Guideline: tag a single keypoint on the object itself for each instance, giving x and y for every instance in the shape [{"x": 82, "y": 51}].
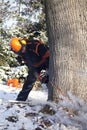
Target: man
[{"x": 35, "y": 55}]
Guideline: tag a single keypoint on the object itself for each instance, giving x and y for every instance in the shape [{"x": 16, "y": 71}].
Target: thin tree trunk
[{"x": 67, "y": 32}]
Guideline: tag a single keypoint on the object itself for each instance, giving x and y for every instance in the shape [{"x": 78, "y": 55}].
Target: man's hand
[{"x": 44, "y": 77}]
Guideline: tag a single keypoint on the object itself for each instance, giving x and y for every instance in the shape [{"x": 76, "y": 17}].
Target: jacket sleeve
[{"x": 43, "y": 51}]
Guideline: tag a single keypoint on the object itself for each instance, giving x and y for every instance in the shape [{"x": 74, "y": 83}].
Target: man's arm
[{"x": 44, "y": 52}]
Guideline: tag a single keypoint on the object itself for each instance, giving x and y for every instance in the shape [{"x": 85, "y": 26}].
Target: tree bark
[{"x": 67, "y": 34}]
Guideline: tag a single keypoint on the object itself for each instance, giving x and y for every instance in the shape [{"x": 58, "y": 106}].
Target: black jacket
[{"x": 36, "y": 55}]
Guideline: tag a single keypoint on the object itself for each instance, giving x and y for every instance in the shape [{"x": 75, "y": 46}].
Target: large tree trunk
[{"x": 67, "y": 33}]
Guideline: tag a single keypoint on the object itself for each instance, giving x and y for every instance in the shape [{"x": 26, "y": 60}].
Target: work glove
[{"x": 43, "y": 76}]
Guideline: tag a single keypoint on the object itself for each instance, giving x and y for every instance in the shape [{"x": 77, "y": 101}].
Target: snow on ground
[{"x": 69, "y": 114}]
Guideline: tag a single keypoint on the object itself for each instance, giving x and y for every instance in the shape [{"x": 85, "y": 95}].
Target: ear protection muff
[{"x": 23, "y": 42}]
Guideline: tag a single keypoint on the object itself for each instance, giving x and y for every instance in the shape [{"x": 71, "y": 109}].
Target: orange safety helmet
[{"x": 16, "y": 44}]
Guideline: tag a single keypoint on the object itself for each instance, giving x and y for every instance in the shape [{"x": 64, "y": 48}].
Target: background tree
[
  {"x": 67, "y": 32},
  {"x": 19, "y": 18},
  {"x": 3, "y": 34}
]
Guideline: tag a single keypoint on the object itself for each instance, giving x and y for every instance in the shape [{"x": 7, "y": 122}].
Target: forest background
[{"x": 18, "y": 18}]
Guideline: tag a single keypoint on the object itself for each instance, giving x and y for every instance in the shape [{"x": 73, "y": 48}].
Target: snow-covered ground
[{"x": 69, "y": 114}]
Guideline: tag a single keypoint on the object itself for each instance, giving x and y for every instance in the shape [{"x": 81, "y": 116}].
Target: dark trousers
[
  {"x": 29, "y": 82},
  {"x": 27, "y": 87}
]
